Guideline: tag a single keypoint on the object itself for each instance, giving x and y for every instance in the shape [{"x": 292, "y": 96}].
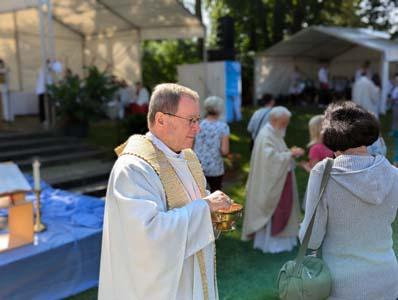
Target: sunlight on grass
[{"x": 234, "y": 138}]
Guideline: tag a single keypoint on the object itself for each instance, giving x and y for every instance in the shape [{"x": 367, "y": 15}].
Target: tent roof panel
[
  {"x": 92, "y": 17},
  {"x": 327, "y": 42}
]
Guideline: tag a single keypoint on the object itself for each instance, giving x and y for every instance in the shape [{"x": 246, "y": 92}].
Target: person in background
[
  {"x": 140, "y": 99},
  {"x": 365, "y": 68},
  {"x": 323, "y": 78},
  {"x": 212, "y": 142},
  {"x": 296, "y": 87},
  {"x": 317, "y": 149},
  {"x": 260, "y": 117},
  {"x": 50, "y": 70},
  {"x": 272, "y": 209},
  {"x": 366, "y": 94},
  {"x": 8, "y": 114},
  {"x": 353, "y": 221}
]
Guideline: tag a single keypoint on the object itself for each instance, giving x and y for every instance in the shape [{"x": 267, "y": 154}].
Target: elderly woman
[
  {"x": 354, "y": 217},
  {"x": 212, "y": 143}
]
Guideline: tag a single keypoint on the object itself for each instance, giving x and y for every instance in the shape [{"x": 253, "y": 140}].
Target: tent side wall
[
  {"x": 273, "y": 74},
  {"x": 120, "y": 53},
  {"x": 345, "y": 65},
  {"x": 21, "y": 29},
  {"x": 8, "y": 48},
  {"x": 205, "y": 78}
]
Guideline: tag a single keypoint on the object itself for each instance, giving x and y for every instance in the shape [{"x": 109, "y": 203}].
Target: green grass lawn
[{"x": 242, "y": 272}]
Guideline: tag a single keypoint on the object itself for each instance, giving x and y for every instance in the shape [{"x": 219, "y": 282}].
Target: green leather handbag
[{"x": 307, "y": 277}]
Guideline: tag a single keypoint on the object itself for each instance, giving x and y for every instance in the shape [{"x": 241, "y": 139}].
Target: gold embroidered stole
[{"x": 176, "y": 196}]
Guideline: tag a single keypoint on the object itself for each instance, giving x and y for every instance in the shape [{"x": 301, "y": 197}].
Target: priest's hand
[
  {"x": 218, "y": 201},
  {"x": 296, "y": 151}
]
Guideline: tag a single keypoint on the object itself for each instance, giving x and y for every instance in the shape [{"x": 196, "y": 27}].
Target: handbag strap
[
  {"x": 261, "y": 122},
  {"x": 307, "y": 235}
]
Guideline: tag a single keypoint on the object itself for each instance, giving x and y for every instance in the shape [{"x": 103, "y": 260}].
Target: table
[{"x": 64, "y": 260}]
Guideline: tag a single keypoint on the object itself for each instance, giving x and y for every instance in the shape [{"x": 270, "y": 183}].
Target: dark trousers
[
  {"x": 214, "y": 182},
  {"x": 42, "y": 108},
  {"x": 324, "y": 95}
]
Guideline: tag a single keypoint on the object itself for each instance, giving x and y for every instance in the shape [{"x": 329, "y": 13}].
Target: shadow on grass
[{"x": 244, "y": 273}]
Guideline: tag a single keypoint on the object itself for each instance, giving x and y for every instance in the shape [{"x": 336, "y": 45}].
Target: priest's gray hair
[
  {"x": 214, "y": 105},
  {"x": 166, "y": 97},
  {"x": 278, "y": 112}
]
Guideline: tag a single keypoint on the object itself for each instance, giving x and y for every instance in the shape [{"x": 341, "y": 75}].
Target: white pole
[
  {"x": 43, "y": 48},
  {"x": 51, "y": 38},
  {"x": 52, "y": 54},
  {"x": 18, "y": 52}
]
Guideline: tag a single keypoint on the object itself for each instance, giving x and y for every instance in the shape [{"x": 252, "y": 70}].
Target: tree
[
  {"x": 380, "y": 15},
  {"x": 160, "y": 59},
  {"x": 198, "y": 14}
]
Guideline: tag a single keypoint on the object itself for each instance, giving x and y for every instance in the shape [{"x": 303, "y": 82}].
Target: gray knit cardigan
[{"x": 354, "y": 222}]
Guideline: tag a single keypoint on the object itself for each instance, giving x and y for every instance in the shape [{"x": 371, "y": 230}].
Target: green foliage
[
  {"x": 81, "y": 100},
  {"x": 380, "y": 15},
  {"x": 160, "y": 59},
  {"x": 66, "y": 95},
  {"x": 134, "y": 124}
]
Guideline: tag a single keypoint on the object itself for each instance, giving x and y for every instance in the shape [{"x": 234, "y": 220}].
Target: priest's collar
[{"x": 163, "y": 147}]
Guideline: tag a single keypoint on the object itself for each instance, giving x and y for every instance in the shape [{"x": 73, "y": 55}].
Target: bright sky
[{"x": 190, "y": 4}]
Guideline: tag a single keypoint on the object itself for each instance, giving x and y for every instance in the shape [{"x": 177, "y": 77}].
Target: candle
[{"x": 36, "y": 174}]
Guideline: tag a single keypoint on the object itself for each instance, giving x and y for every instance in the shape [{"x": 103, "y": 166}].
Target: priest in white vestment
[
  {"x": 367, "y": 94},
  {"x": 158, "y": 239},
  {"x": 272, "y": 207}
]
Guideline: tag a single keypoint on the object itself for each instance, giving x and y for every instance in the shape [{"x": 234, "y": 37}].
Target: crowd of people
[
  {"x": 158, "y": 211},
  {"x": 166, "y": 185}
]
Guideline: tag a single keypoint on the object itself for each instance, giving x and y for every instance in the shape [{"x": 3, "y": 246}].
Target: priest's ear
[{"x": 160, "y": 119}]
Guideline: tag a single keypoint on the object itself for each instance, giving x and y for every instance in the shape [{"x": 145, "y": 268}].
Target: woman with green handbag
[{"x": 352, "y": 226}]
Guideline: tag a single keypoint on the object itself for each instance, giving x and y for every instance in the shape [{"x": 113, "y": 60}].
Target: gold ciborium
[{"x": 225, "y": 220}]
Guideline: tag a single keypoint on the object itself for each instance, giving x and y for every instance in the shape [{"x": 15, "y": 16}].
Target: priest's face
[
  {"x": 281, "y": 124},
  {"x": 182, "y": 127}
]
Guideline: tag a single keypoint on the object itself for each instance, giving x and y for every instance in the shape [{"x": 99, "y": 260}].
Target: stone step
[
  {"x": 97, "y": 189},
  {"x": 36, "y": 142},
  {"x": 59, "y": 159},
  {"x": 6, "y": 136},
  {"x": 41, "y": 151},
  {"x": 77, "y": 174}
]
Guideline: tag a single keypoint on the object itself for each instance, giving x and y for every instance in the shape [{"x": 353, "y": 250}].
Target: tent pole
[
  {"x": 18, "y": 51},
  {"x": 52, "y": 54},
  {"x": 384, "y": 83},
  {"x": 139, "y": 42},
  {"x": 43, "y": 49},
  {"x": 50, "y": 37}
]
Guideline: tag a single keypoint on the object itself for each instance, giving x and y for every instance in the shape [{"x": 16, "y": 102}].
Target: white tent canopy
[
  {"x": 106, "y": 33},
  {"x": 344, "y": 48}
]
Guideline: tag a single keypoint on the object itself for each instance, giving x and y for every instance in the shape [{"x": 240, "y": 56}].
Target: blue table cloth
[{"x": 64, "y": 259}]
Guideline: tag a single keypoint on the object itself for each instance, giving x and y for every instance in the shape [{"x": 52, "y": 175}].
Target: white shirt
[
  {"x": 366, "y": 94},
  {"x": 358, "y": 74},
  {"x": 143, "y": 96},
  {"x": 40, "y": 83},
  {"x": 323, "y": 75},
  {"x": 394, "y": 93}
]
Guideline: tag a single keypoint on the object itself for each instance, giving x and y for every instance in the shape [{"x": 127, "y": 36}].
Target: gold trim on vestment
[{"x": 176, "y": 196}]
